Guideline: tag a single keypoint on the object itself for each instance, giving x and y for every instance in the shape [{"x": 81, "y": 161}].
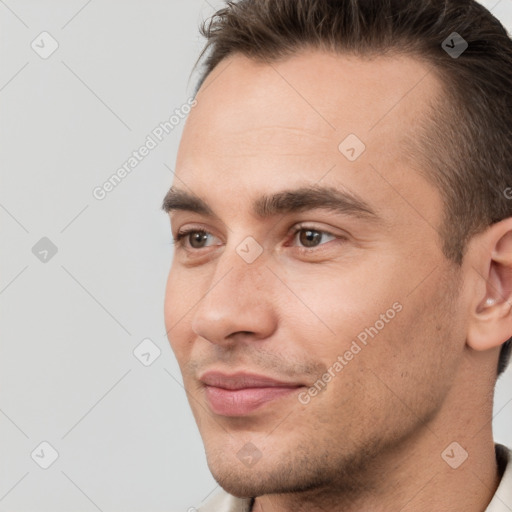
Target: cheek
[
  {"x": 176, "y": 306},
  {"x": 412, "y": 360},
  {"x": 170, "y": 303},
  {"x": 335, "y": 307}
]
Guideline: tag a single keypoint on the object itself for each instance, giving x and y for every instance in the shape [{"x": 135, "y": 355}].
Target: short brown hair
[{"x": 465, "y": 143}]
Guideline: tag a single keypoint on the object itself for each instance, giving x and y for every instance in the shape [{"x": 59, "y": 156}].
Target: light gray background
[{"x": 68, "y": 375}]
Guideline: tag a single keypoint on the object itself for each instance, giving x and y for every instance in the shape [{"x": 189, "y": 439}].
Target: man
[{"x": 339, "y": 299}]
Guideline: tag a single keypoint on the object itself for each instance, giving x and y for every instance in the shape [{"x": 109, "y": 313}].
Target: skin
[{"x": 373, "y": 438}]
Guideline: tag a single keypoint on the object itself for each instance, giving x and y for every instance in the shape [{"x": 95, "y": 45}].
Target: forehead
[
  {"x": 264, "y": 125},
  {"x": 317, "y": 93}
]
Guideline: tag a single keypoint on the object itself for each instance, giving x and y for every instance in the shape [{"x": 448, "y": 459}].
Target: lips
[{"x": 242, "y": 393}]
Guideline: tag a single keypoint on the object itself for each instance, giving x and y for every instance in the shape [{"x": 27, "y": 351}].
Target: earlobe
[
  {"x": 491, "y": 324},
  {"x": 491, "y": 316}
]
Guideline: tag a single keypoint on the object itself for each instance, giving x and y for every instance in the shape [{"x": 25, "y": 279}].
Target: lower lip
[{"x": 238, "y": 402}]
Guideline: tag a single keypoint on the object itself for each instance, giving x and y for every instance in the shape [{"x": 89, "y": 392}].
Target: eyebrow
[{"x": 283, "y": 202}]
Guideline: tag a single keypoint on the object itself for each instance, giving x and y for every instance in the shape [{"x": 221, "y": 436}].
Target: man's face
[{"x": 352, "y": 315}]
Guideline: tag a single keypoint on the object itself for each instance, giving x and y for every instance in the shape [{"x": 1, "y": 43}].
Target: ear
[{"x": 490, "y": 323}]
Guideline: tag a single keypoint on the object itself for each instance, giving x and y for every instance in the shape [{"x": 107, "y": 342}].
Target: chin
[
  {"x": 267, "y": 476},
  {"x": 242, "y": 481},
  {"x": 239, "y": 485}
]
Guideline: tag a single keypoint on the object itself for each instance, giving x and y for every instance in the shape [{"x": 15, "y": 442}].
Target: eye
[
  {"x": 196, "y": 238},
  {"x": 310, "y": 237}
]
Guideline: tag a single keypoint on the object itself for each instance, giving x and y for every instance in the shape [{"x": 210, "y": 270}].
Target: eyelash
[{"x": 180, "y": 238}]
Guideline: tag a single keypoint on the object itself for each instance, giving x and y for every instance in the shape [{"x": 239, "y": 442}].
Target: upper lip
[{"x": 242, "y": 380}]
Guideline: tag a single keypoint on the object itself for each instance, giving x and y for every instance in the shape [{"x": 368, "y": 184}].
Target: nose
[{"x": 237, "y": 302}]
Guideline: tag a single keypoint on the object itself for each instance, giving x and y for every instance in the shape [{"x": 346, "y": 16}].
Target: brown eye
[
  {"x": 195, "y": 239},
  {"x": 310, "y": 238}
]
